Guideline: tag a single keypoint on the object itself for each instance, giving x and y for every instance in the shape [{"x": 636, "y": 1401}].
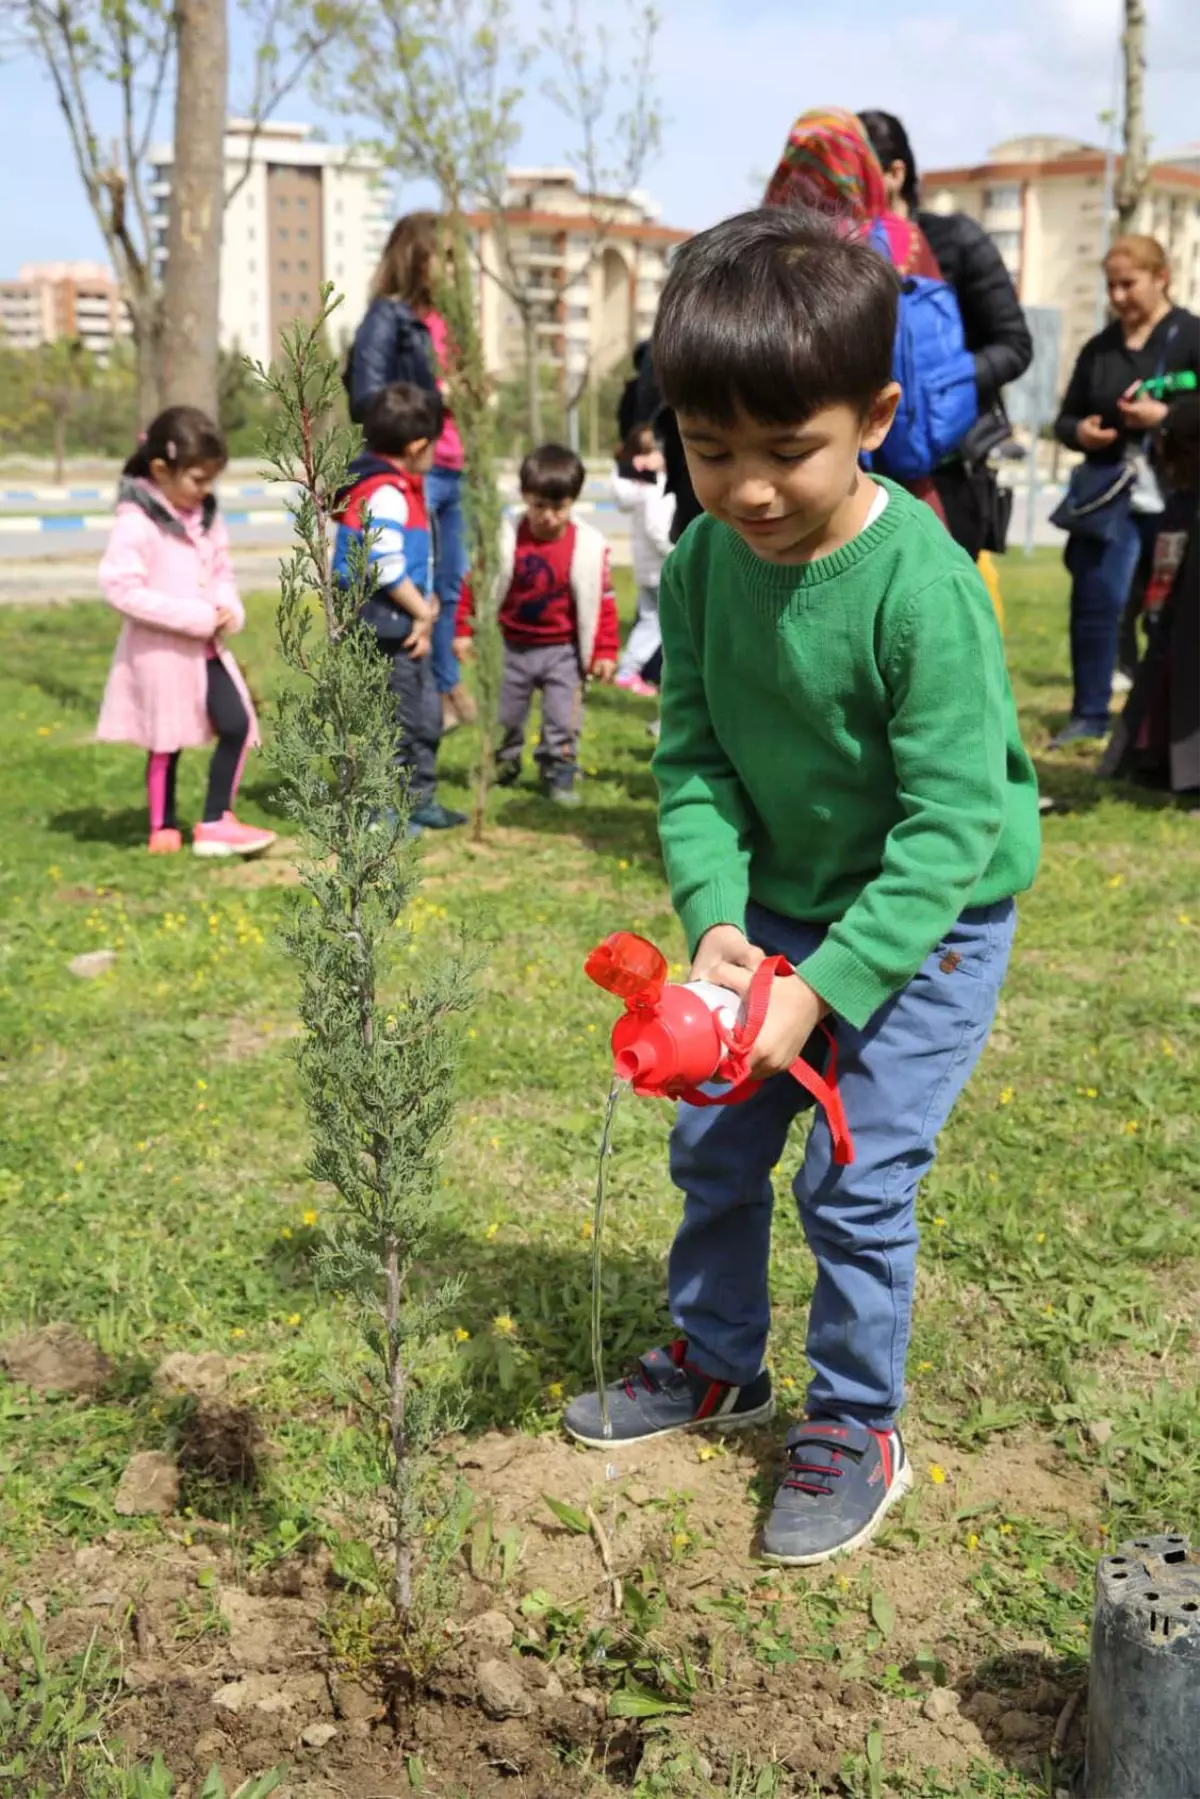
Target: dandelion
[
  {"x": 585, "y": 1229},
  {"x": 504, "y": 1325},
  {"x": 43, "y": 730},
  {"x": 309, "y": 1218},
  {"x": 1185, "y": 918},
  {"x": 939, "y": 1223},
  {"x": 1048, "y": 1309},
  {"x": 462, "y": 1336},
  {"x": 924, "y": 1367},
  {"x": 237, "y": 1333},
  {"x": 494, "y": 1142},
  {"x": 1115, "y": 880},
  {"x": 54, "y": 872},
  {"x": 789, "y": 1382},
  {"x": 706, "y": 1451},
  {"x": 1093, "y": 1093},
  {"x": 972, "y": 1541},
  {"x": 201, "y": 1086},
  {"x": 1041, "y": 1237},
  {"x": 1130, "y": 1128},
  {"x": 1168, "y": 1048},
  {"x": 140, "y": 1146},
  {"x": 286, "y": 1233},
  {"x": 471, "y": 1031},
  {"x": 680, "y": 1538},
  {"x": 1006, "y": 1530},
  {"x": 294, "y": 1318},
  {"x": 937, "y": 1474},
  {"x": 492, "y": 1231},
  {"x": 1006, "y": 1094},
  {"x": 591, "y": 1029},
  {"x": 622, "y": 865},
  {"x": 554, "y": 1390},
  {"x": 79, "y": 1167}
]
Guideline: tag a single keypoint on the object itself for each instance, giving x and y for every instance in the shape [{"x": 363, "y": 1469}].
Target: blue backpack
[{"x": 938, "y": 399}]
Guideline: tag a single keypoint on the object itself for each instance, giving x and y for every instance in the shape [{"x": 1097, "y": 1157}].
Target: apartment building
[
  {"x": 304, "y": 212},
  {"x": 80, "y": 301},
  {"x": 593, "y": 263},
  {"x": 1041, "y": 199}
]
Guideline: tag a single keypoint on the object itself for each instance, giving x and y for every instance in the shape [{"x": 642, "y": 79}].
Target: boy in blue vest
[
  {"x": 386, "y": 496},
  {"x": 842, "y": 784}
]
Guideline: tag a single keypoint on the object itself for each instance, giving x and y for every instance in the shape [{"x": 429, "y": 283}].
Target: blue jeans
[
  {"x": 1101, "y": 577},
  {"x": 899, "y": 1079},
  {"x": 443, "y": 496}
]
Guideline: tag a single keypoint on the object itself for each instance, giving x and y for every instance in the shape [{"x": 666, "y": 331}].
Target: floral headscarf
[{"x": 828, "y": 164}]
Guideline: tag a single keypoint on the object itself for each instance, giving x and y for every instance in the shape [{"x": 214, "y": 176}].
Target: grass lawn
[{"x": 153, "y": 1195}]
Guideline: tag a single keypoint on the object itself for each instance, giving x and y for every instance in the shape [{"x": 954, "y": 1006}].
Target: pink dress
[
  {"x": 449, "y": 451},
  {"x": 168, "y": 580}
]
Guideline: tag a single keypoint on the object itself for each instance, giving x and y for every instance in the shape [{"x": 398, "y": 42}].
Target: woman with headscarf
[{"x": 828, "y": 166}]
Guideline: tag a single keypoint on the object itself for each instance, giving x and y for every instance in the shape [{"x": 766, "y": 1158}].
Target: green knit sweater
[{"x": 839, "y": 743}]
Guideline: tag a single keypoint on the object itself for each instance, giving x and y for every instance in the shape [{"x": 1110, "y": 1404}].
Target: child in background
[
  {"x": 385, "y": 501},
  {"x": 842, "y": 783},
  {"x": 173, "y": 684},
  {"x": 642, "y": 493},
  {"x": 558, "y": 618}
]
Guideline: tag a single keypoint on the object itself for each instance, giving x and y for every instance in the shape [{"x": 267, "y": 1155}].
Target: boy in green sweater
[{"x": 842, "y": 783}]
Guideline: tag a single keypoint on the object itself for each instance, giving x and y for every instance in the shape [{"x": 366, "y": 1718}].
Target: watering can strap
[{"x": 824, "y": 1088}]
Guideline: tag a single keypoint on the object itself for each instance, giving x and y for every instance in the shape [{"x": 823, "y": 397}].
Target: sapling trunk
[{"x": 377, "y": 1058}]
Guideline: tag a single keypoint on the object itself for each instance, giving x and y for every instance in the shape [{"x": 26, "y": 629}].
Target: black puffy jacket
[
  {"x": 993, "y": 323},
  {"x": 391, "y": 344}
]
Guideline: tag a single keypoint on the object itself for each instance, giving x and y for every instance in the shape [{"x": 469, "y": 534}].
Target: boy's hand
[
  {"x": 464, "y": 648},
  {"x": 420, "y": 639},
  {"x": 793, "y": 1014},
  {"x": 726, "y": 957},
  {"x": 604, "y": 670},
  {"x": 434, "y": 605},
  {"x": 224, "y": 618},
  {"x": 1093, "y": 434}
]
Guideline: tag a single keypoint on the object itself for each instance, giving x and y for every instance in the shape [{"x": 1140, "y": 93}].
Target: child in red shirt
[{"x": 558, "y": 618}]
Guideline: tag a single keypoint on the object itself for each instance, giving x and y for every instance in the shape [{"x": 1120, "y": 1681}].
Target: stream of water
[{"x": 614, "y": 1097}]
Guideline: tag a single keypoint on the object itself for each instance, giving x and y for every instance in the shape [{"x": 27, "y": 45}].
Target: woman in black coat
[
  {"x": 993, "y": 324},
  {"x": 404, "y": 338},
  {"x": 1105, "y": 415}
]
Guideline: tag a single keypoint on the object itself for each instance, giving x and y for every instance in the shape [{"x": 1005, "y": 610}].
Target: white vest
[{"x": 587, "y": 581}]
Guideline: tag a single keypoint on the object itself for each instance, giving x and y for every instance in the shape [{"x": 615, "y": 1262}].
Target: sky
[{"x": 731, "y": 76}]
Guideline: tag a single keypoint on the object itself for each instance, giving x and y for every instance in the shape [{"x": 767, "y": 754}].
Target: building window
[
  {"x": 302, "y": 232},
  {"x": 302, "y": 203},
  {"x": 302, "y": 268},
  {"x": 1008, "y": 243},
  {"x": 283, "y": 267},
  {"x": 337, "y": 239},
  {"x": 1002, "y": 199},
  {"x": 285, "y": 299},
  {"x": 250, "y": 234},
  {"x": 250, "y": 266}
]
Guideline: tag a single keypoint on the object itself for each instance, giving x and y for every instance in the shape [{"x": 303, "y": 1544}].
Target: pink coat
[{"x": 168, "y": 575}]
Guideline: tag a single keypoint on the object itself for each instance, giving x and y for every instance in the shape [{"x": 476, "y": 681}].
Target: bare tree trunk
[
  {"x": 60, "y": 444},
  {"x": 147, "y": 342},
  {"x": 1132, "y": 180},
  {"x": 192, "y": 288},
  {"x": 533, "y": 376}
]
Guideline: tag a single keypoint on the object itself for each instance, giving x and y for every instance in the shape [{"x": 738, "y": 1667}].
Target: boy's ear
[
  {"x": 417, "y": 447},
  {"x": 880, "y": 414}
]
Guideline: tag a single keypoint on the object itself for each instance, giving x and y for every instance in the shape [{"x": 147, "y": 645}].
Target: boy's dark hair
[
  {"x": 889, "y": 140},
  {"x": 552, "y": 472},
  {"x": 400, "y": 415},
  {"x": 181, "y": 437},
  {"x": 775, "y": 313}
]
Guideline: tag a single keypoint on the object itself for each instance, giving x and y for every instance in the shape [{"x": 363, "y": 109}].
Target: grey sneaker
[
  {"x": 665, "y": 1392},
  {"x": 562, "y": 793},
  {"x": 841, "y": 1479}
]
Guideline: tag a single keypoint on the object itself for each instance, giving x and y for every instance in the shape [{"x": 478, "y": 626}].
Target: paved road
[{"x": 51, "y": 567}]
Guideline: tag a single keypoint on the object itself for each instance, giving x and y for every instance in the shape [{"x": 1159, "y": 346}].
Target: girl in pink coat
[{"x": 172, "y": 683}]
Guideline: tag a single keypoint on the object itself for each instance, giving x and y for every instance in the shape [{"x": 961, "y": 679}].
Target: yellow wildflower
[
  {"x": 1041, "y": 1237},
  {"x": 294, "y": 1318},
  {"x": 310, "y": 1217},
  {"x": 585, "y": 1229},
  {"x": 1048, "y": 1309},
  {"x": 924, "y": 1367},
  {"x": 789, "y": 1382},
  {"x": 1130, "y": 1128},
  {"x": 622, "y": 865},
  {"x": 706, "y": 1451},
  {"x": 201, "y": 1086},
  {"x": 43, "y": 730},
  {"x": 471, "y": 1031},
  {"x": 1093, "y": 1093},
  {"x": 1168, "y": 1048},
  {"x": 1115, "y": 880},
  {"x": 492, "y": 1231},
  {"x": 494, "y": 1142},
  {"x": 1184, "y": 917},
  {"x": 972, "y": 1541},
  {"x": 554, "y": 1390},
  {"x": 461, "y": 1336},
  {"x": 79, "y": 1167},
  {"x": 237, "y": 1332},
  {"x": 1006, "y": 1094},
  {"x": 141, "y": 1146},
  {"x": 286, "y": 1232},
  {"x": 937, "y": 1474},
  {"x": 504, "y": 1325}
]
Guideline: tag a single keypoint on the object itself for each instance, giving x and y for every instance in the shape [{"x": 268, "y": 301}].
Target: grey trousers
[
  {"x": 552, "y": 669},
  {"x": 419, "y": 715}
]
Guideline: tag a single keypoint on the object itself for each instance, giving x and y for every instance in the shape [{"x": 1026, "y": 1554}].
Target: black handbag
[{"x": 1096, "y": 503}]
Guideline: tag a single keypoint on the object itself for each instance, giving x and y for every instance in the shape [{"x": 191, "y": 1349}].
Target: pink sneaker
[
  {"x": 227, "y": 837},
  {"x": 165, "y": 842},
  {"x": 634, "y": 684}
]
